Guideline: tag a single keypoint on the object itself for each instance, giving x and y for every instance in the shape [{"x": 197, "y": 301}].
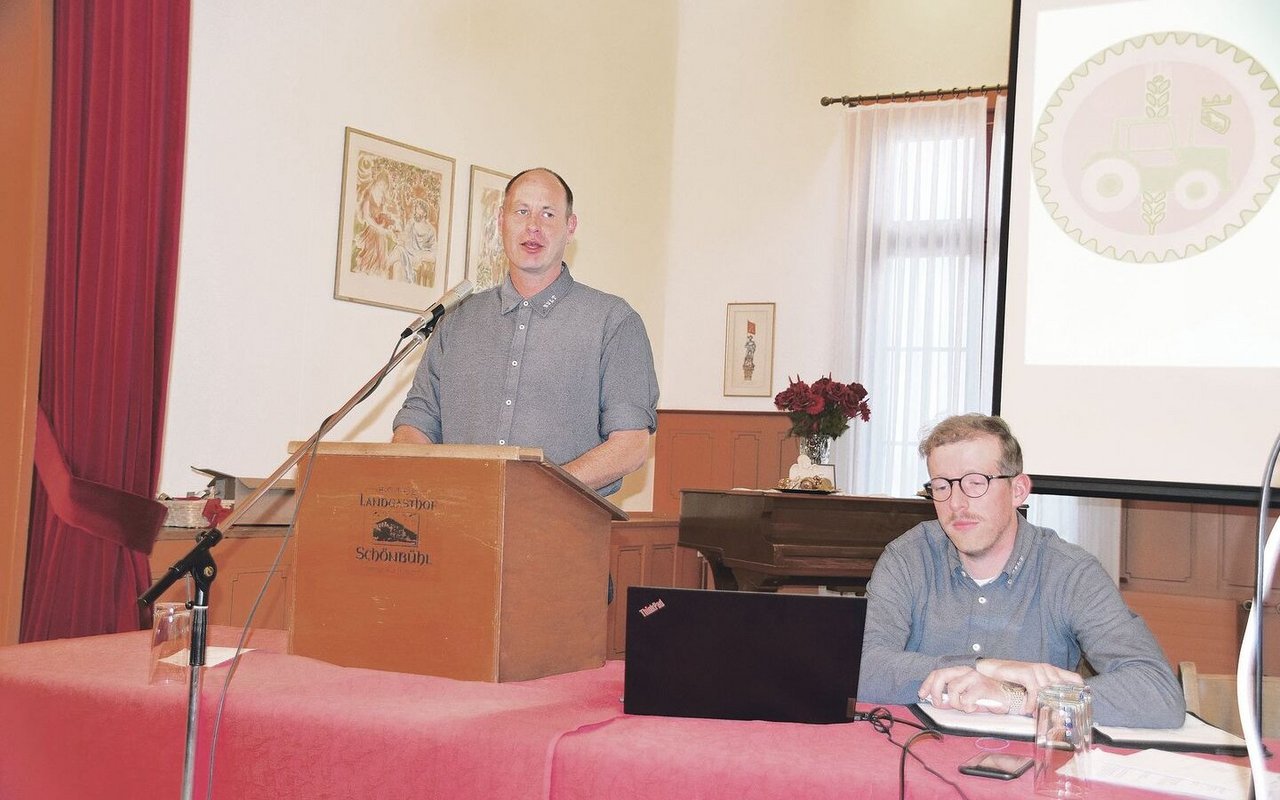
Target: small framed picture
[
  {"x": 748, "y": 350},
  {"x": 486, "y": 260},
  {"x": 393, "y": 223}
]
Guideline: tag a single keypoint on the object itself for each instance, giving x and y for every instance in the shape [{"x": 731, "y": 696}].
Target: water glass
[
  {"x": 170, "y": 643},
  {"x": 1064, "y": 738}
]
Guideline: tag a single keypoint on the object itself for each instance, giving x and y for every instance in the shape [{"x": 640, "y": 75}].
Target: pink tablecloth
[
  {"x": 78, "y": 719},
  {"x": 629, "y": 758}
]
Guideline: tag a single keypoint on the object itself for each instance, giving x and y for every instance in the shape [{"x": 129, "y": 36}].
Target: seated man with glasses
[{"x": 980, "y": 609}]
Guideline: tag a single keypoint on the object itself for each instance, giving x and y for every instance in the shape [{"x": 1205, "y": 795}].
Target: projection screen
[{"x": 1138, "y": 352}]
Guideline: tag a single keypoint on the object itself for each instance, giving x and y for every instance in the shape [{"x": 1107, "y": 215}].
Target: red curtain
[{"x": 115, "y": 191}]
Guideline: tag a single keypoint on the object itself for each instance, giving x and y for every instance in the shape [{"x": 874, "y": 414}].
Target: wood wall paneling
[
  {"x": 245, "y": 588},
  {"x": 744, "y": 468},
  {"x": 682, "y": 458},
  {"x": 718, "y": 450},
  {"x": 644, "y": 552},
  {"x": 1158, "y": 543},
  {"x": 1188, "y": 569},
  {"x": 1238, "y": 553},
  {"x": 26, "y": 80},
  {"x": 1199, "y": 629},
  {"x": 627, "y": 566},
  {"x": 244, "y": 560}
]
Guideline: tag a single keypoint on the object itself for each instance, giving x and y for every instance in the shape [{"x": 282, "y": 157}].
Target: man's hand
[
  {"x": 965, "y": 689},
  {"x": 1031, "y": 675}
]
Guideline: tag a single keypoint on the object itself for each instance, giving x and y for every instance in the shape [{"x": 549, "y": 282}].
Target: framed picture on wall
[
  {"x": 393, "y": 223},
  {"x": 486, "y": 260},
  {"x": 748, "y": 350}
]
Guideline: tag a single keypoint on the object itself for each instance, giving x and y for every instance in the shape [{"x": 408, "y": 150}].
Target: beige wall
[
  {"x": 757, "y": 195},
  {"x": 911, "y": 45},
  {"x": 26, "y": 45},
  {"x": 262, "y": 350},
  {"x": 706, "y": 172}
]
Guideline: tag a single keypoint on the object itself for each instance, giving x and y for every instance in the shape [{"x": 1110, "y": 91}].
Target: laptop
[{"x": 742, "y": 655}]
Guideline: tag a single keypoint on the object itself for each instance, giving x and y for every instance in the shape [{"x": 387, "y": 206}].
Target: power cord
[
  {"x": 266, "y": 584},
  {"x": 253, "y": 610},
  {"x": 882, "y": 721}
]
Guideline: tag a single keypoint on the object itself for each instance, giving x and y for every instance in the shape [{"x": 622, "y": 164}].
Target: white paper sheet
[
  {"x": 213, "y": 656},
  {"x": 1176, "y": 773}
]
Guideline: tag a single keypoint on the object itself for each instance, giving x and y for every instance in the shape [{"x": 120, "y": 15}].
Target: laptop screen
[{"x": 742, "y": 655}]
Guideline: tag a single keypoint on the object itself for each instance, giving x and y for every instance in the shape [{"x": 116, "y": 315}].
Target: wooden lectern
[{"x": 472, "y": 562}]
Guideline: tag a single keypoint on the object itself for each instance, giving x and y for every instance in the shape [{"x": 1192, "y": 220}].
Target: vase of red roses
[{"x": 821, "y": 411}]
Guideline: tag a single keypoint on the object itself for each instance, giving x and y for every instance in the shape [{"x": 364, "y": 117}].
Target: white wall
[
  {"x": 757, "y": 194},
  {"x": 910, "y": 45},
  {"x": 755, "y": 200},
  {"x": 262, "y": 350},
  {"x": 704, "y": 168}
]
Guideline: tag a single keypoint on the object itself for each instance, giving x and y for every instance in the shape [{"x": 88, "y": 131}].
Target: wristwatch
[{"x": 1015, "y": 697}]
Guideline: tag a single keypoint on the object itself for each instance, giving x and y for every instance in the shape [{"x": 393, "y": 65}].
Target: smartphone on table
[{"x": 1003, "y": 766}]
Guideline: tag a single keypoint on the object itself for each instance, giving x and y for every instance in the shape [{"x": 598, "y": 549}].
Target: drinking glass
[
  {"x": 170, "y": 636},
  {"x": 1064, "y": 738}
]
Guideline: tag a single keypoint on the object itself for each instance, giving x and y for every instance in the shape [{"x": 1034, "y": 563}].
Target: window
[
  {"x": 920, "y": 284},
  {"x": 915, "y": 280}
]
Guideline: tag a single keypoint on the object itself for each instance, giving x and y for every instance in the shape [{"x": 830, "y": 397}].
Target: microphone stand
[{"x": 198, "y": 562}]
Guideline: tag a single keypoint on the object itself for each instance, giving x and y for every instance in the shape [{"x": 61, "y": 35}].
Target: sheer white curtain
[
  {"x": 913, "y": 287},
  {"x": 920, "y": 291}
]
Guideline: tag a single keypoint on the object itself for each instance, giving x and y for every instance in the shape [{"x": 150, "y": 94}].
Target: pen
[{"x": 982, "y": 702}]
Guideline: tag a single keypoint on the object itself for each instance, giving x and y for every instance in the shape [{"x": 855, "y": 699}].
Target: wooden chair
[{"x": 1213, "y": 699}]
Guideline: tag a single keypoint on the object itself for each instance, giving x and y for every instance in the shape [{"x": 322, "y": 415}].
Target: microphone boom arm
[
  {"x": 200, "y": 565},
  {"x": 211, "y": 536}
]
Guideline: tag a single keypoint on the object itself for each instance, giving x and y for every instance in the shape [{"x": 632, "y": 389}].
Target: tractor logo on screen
[{"x": 1159, "y": 147}]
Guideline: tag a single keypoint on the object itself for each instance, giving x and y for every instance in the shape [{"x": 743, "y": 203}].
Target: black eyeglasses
[{"x": 974, "y": 485}]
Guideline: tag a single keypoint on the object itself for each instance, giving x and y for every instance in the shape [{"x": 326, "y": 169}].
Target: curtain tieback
[{"x": 115, "y": 515}]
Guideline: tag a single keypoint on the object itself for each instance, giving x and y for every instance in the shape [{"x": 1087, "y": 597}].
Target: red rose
[{"x": 823, "y": 408}]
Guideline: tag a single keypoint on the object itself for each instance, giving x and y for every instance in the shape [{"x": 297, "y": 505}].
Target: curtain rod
[{"x": 902, "y": 97}]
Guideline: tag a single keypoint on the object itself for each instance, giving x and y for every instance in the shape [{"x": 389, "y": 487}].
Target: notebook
[{"x": 742, "y": 655}]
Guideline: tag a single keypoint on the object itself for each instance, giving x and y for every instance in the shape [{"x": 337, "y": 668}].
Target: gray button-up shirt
[
  {"x": 1052, "y": 601},
  {"x": 560, "y": 370}
]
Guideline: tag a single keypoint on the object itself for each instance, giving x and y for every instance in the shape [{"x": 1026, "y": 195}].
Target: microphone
[{"x": 446, "y": 304}]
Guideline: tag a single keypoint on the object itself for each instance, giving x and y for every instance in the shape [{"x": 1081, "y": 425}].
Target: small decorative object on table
[
  {"x": 819, "y": 413},
  {"x": 194, "y": 511},
  {"x": 183, "y": 512}
]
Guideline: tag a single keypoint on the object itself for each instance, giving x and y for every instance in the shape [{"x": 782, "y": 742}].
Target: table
[{"x": 78, "y": 719}]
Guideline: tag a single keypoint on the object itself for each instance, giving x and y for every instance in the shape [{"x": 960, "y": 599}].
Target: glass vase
[{"x": 816, "y": 447}]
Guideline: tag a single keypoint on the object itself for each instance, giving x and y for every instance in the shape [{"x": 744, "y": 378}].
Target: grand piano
[{"x": 759, "y": 540}]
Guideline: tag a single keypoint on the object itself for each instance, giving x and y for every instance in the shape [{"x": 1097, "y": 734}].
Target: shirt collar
[
  {"x": 543, "y": 301},
  {"x": 1012, "y": 567}
]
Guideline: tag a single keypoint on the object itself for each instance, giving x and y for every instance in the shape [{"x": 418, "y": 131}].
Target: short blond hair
[{"x": 967, "y": 427}]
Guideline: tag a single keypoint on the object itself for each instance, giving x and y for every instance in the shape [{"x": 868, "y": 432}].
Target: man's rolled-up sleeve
[
  {"x": 628, "y": 382},
  {"x": 421, "y": 408}
]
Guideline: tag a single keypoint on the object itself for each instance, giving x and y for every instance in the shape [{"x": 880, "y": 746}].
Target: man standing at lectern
[
  {"x": 540, "y": 360},
  {"x": 980, "y": 609}
]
